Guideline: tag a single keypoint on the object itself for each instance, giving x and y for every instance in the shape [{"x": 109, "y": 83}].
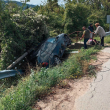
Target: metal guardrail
[
  {"x": 107, "y": 33},
  {"x": 10, "y": 73}
]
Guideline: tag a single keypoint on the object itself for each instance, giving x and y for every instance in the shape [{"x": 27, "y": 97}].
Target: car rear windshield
[
  {"x": 48, "y": 47},
  {"x": 51, "y": 40}
]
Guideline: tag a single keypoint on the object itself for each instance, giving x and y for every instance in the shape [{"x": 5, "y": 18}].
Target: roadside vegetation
[
  {"x": 23, "y": 29},
  {"x": 36, "y": 84}
]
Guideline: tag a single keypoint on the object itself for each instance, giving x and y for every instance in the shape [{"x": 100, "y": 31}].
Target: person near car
[
  {"x": 91, "y": 28},
  {"x": 86, "y": 36},
  {"x": 101, "y": 32}
]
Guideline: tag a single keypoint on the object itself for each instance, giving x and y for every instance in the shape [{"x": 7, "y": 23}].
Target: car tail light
[{"x": 44, "y": 64}]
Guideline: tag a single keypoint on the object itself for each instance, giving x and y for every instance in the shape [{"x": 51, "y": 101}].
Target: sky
[{"x": 38, "y": 2}]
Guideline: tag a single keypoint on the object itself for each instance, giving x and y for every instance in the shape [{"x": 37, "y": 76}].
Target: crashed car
[{"x": 51, "y": 51}]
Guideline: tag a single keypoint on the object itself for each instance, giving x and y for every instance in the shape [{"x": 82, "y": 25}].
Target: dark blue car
[{"x": 52, "y": 50}]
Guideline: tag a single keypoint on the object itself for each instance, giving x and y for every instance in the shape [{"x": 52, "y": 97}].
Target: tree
[
  {"x": 106, "y": 6},
  {"x": 75, "y": 17}
]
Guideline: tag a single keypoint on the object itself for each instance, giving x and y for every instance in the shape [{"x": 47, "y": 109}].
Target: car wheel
[{"x": 57, "y": 60}]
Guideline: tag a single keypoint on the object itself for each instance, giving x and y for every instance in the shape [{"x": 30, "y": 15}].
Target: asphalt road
[{"x": 98, "y": 95}]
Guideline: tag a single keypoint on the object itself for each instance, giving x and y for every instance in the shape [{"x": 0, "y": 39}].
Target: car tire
[{"x": 57, "y": 60}]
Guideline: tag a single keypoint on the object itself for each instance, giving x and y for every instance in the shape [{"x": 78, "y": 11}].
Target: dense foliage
[
  {"x": 74, "y": 14},
  {"x": 18, "y": 32},
  {"x": 75, "y": 17}
]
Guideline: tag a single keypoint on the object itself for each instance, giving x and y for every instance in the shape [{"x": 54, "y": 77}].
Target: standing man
[
  {"x": 91, "y": 30},
  {"x": 86, "y": 36},
  {"x": 101, "y": 32}
]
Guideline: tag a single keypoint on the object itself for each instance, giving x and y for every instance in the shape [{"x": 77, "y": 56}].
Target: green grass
[
  {"x": 34, "y": 85},
  {"x": 106, "y": 39}
]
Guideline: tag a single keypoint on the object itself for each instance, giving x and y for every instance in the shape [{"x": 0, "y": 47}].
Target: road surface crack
[{"x": 94, "y": 90}]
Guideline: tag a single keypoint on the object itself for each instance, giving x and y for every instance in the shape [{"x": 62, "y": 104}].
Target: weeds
[
  {"x": 63, "y": 84},
  {"x": 33, "y": 86}
]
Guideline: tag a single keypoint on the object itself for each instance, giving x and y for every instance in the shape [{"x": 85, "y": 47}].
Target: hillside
[{"x": 20, "y": 4}]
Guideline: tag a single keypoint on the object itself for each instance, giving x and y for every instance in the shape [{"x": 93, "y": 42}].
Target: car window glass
[
  {"x": 48, "y": 46},
  {"x": 51, "y": 40},
  {"x": 44, "y": 55}
]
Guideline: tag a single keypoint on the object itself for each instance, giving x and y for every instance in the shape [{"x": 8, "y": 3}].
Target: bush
[{"x": 20, "y": 32}]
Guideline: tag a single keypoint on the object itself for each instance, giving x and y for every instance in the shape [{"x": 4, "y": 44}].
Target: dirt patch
[{"x": 64, "y": 98}]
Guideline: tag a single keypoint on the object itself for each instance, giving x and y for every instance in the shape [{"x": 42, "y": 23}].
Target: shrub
[{"x": 20, "y": 32}]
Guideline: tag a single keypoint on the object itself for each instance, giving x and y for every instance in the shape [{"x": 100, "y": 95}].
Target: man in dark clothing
[
  {"x": 86, "y": 35},
  {"x": 91, "y": 30}
]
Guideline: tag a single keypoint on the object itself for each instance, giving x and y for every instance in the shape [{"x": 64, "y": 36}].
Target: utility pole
[{"x": 108, "y": 21}]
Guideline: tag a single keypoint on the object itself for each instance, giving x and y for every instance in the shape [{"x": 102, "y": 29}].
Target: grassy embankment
[{"x": 22, "y": 96}]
